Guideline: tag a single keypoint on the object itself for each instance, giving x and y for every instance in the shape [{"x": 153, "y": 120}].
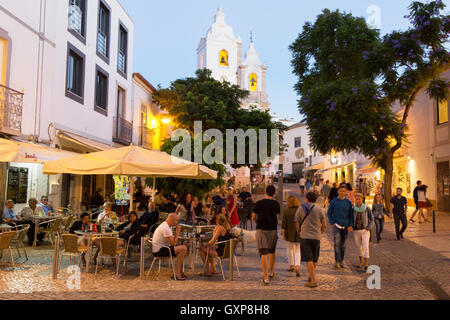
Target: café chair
[
  {"x": 17, "y": 241},
  {"x": 53, "y": 230},
  {"x": 226, "y": 255},
  {"x": 108, "y": 249},
  {"x": 159, "y": 259},
  {"x": 72, "y": 249},
  {"x": 5, "y": 244}
]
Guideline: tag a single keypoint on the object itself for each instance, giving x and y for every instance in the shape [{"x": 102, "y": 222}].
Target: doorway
[{"x": 443, "y": 186}]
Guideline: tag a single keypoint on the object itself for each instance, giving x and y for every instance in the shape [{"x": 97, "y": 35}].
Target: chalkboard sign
[{"x": 17, "y": 184}]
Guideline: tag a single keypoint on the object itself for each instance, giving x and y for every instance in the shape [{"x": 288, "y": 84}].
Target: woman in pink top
[{"x": 350, "y": 193}]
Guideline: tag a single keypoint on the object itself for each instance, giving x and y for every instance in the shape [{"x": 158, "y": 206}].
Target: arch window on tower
[
  {"x": 253, "y": 82},
  {"x": 223, "y": 58}
]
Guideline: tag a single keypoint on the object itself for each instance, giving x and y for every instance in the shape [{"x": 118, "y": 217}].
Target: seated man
[
  {"x": 149, "y": 219},
  {"x": 84, "y": 224},
  {"x": 46, "y": 207},
  {"x": 164, "y": 236},
  {"x": 26, "y": 213},
  {"x": 11, "y": 218}
]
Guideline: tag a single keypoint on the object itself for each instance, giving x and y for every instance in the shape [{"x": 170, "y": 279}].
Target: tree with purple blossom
[{"x": 370, "y": 73}]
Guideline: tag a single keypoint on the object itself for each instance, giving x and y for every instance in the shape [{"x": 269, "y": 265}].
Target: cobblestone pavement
[{"x": 415, "y": 268}]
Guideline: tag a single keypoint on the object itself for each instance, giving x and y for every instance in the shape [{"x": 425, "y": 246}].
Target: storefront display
[{"x": 17, "y": 185}]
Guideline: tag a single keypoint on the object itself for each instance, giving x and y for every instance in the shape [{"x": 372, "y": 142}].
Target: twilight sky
[{"x": 167, "y": 34}]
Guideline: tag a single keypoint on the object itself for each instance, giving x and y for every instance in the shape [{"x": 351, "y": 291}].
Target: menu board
[
  {"x": 446, "y": 186},
  {"x": 122, "y": 190},
  {"x": 17, "y": 184}
]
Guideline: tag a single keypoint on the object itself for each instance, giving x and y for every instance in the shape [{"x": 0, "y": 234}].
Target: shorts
[
  {"x": 266, "y": 241},
  {"x": 164, "y": 252},
  {"x": 422, "y": 204},
  {"x": 302, "y": 187},
  {"x": 309, "y": 250}
]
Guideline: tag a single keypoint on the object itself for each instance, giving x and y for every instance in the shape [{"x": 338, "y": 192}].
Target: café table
[
  {"x": 37, "y": 219},
  {"x": 195, "y": 236},
  {"x": 91, "y": 236}
]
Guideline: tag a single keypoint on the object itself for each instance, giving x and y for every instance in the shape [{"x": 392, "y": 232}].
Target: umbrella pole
[
  {"x": 153, "y": 190},
  {"x": 131, "y": 194}
]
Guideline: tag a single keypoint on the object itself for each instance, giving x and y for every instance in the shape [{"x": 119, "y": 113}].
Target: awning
[
  {"x": 14, "y": 151},
  {"x": 337, "y": 167},
  {"x": 367, "y": 170},
  {"x": 80, "y": 144},
  {"x": 318, "y": 166}
]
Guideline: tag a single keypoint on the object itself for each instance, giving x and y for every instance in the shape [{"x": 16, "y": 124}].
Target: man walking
[
  {"x": 340, "y": 216},
  {"x": 326, "y": 188},
  {"x": 311, "y": 224},
  {"x": 399, "y": 207},
  {"x": 265, "y": 216},
  {"x": 416, "y": 201},
  {"x": 302, "y": 186}
]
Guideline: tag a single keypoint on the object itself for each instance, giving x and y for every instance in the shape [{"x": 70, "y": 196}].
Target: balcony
[
  {"x": 146, "y": 137},
  {"x": 11, "y": 102},
  {"x": 123, "y": 131}
]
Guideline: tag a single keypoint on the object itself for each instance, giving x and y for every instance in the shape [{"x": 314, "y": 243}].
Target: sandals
[
  {"x": 265, "y": 282},
  {"x": 203, "y": 274},
  {"x": 273, "y": 275}
]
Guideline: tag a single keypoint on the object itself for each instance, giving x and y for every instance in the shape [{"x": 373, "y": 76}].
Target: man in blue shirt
[
  {"x": 340, "y": 216},
  {"x": 399, "y": 207},
  {"x": 11, "y": 218}
]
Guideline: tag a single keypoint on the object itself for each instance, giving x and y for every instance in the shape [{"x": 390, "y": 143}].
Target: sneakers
[{"x": 311, "y": 284}]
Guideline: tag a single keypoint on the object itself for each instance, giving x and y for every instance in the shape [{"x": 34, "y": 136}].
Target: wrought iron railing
[
  {"x": 122, "y": 62},
  {"x": 11, "y": 102},
  {"x": 146, "y": 137},
  {"x": 123, "y": 131}
]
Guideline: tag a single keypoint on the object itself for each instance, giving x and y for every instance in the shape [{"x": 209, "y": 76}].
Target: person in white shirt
[
  {"x": 302, "y": 186},
  {"x": 163, "y": 238},
  {"x": 32, "y": 209},
  {"x": 107, "y": 214}
]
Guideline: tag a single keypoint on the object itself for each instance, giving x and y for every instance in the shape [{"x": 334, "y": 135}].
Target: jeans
[
  {"x": 379, "y": 225},
  {"x": 404, "y": 221},
  {"x": 340, "y": 237}
]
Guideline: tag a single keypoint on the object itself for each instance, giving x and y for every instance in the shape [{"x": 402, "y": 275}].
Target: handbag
[{"x": 429, "y": 203}]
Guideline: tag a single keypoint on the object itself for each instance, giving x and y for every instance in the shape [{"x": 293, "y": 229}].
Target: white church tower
[{"x": 221, "y": 52}]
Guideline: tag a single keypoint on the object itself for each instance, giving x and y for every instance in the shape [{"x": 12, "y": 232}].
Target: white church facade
[{"x": 221, "y": 52}]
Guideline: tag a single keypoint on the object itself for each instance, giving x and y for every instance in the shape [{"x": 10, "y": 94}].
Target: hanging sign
[{"x": 122, "y": 190}]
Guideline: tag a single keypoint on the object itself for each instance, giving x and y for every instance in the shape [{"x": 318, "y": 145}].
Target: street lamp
[{"x": 165, "y": 120}]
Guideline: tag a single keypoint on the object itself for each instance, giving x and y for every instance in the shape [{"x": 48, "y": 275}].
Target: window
[
  {"x": 75, "y": 74},
  {"x": 442, "y": 114},
  {"x": 298, "y": 142},
  {"x": 103, "y": 31},
  {"x": 101, "y": 90},
  {"x": 77, "y": 19},
  {"x": 223, "y": 58},
  {"x": 123, "y": 51},
  {"x": 253, "y": 82}
]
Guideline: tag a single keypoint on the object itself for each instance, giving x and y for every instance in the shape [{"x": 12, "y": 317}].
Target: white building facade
[{"x": 72, "y": 62}]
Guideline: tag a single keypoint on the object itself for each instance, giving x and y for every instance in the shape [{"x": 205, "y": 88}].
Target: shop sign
[{"x": 122, "y": 190}]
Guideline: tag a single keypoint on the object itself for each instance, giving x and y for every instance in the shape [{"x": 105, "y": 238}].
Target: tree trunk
[{"x": 388, "y": 179}]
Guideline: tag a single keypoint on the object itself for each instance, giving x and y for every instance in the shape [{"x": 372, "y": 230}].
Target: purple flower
[
  {"x": 444, "y": 63},
  {"x": 404, "y": 86},
  {"x": 439, "y": 49},
  {"x": 397, "y": 46},
  {"x": 404, "y": 125},
  {"x": 404, "y": 38},
  {"x": 350, "y": 129},
  {"x": 355, "y": 90},
  {"x": 427, "y": 23},
  {"x": 314, "y": 130},
  {"x": 413, "y": 56},
  {"x": 364, "y": 124},
  {"x": 365, "y": 57},
  {"x": 332, "y": 109},
  {"x": 394, "y": 41},
  {"x": 315, "y": 119},
  {"x": 418, "y": 42},
  {"x": 401, "y": 131},
  {"x": 383, "y": 116},
  {"x": 419, "y": 28},
  {"x": 442, "y": 28},
  {"x": 436, "y": 86},
  {"x": 330, "y": 61},
  {"x": 336, "y": 137},
  {"x": 357, "y": 27},
  {"x": 328, "y": 101},
  {"x": 375, "y": 97},
  {"x": 406, "y": 17}
]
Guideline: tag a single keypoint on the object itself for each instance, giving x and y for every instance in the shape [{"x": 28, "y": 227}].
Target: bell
[{"x": 223, "y": 60}]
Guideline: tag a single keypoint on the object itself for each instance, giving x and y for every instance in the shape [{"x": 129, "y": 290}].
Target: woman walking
[
  {"x": 232, "y": 208},
  {"x": 423, "y": 204},
  {"x": 379, "y": 211},
  {"x": 362, "y": 222},
  {"x": 290, "y": 234}
]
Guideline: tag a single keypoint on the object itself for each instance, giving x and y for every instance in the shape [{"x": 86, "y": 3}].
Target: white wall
[{"x": 55, "y": 107}]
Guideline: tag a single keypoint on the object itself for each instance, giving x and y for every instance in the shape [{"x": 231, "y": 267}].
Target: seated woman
[
  {"x": 129, "y": 228},
  {"x": 107, "y": 214},
  {"x": 222, "y": 232}
]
